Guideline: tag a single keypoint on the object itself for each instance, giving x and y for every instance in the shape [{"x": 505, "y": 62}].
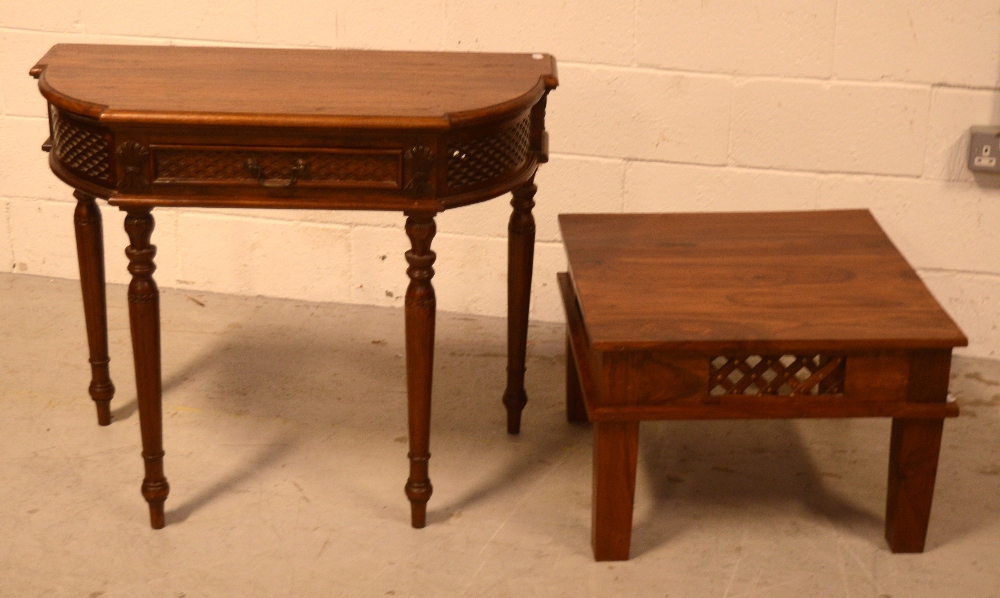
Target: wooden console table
[
  {"x": 420, "y": 133},
  {"x": 752, "y": 315}
]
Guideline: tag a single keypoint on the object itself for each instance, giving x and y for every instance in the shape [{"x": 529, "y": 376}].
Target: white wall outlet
[{"x": 984, "y": 149}]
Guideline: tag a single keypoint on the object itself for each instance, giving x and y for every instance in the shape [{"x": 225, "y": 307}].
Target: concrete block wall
[{"x": 663, "y": 106}]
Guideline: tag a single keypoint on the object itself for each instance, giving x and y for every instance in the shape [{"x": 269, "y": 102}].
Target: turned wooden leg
[
  {"x": 615, "y": 451},
  {"x": 144, "y": 317},
  {"x": 521, "y": 251},
  {"x": 576, "y": 411},
  {"x": 913, "y": 459},
  {"x": 420, "y": 306},
  {"x": 90, "y": 254}
]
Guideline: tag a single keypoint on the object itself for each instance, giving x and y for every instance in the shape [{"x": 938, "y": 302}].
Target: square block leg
[
  {"x": 615, "y": 451},
  {"x": 576, "y": 411},
  {"x": 913, "y": 459}
]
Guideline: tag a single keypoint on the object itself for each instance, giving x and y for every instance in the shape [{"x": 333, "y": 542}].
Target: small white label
[{"x": 537, "y": 56}]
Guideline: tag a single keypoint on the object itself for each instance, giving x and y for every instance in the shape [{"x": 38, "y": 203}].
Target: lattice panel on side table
[
  {"x": 82, "y": 150},
  {"x": 776, "y": 375},
  {"x": 487, "y": 158}
]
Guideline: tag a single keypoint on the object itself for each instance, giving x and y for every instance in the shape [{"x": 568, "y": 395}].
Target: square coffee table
[{"x": 751, "y": 315}]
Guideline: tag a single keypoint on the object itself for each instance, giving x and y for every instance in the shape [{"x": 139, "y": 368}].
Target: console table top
[{"x": 289, "y": 87}]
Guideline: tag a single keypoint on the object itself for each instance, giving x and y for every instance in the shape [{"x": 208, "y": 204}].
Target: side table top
[
  {"x": 749, "y": 282},
  {"x": 287, "y": 87}
]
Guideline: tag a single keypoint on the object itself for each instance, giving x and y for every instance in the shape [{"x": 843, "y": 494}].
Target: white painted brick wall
[
  {"x": 948, "y": 130},
  {"x": 778, "y": 37},
  {"x": 716, "y": 189},
  {"x": 640, "y": 113},
  {"x": 253, "y": 256},
  {"x": 6, "y": 248},
  {"x": 829, "y": 126},
  {"x": 930, "y": 41},
  {"x": 24, "y": 172},
  {"x": 682, "y": 105},
  {"x": 43, "y": 237},
  {"x": 587, "y": 31},
  {"x": 380, "y": 24}
]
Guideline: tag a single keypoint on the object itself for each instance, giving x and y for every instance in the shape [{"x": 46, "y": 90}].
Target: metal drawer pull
[{"x": 300, "y": 169}]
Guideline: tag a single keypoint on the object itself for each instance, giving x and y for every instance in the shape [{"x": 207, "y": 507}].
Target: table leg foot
[
  {"x": 913, "y": 459},
  {"x": 420, "y": 310},
  {"x": 418, "y": 496},
  {"x": 156, "y": 517},
  {"x": 576, "y": 411},
  {"x": 514, "y": 400},
  {"x": 90, "y": 254},
  {"x": 616, "y": 447},
  {"x": 144, "y": 318},
  {"x": 155, "y": 495},
  {"x": 521, "y": 251}
]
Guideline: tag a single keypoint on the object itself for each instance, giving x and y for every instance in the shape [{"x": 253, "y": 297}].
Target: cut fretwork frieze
[
  {"x": 482, "y": 160},
  {"x": 776, "y": 375},
  {"x": 80, "y": 149}
]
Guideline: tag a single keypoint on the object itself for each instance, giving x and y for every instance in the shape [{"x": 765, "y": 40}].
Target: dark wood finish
[
  {"x": 521, "y": 251},
  {"x": 913, "y": 454},
  {"x": 616, "y": 449},
  {"x": 409, "y": 131},
  {"x": 144, "y": 320},
  {"x": 417, "y": 132},
  {"x": 90, "y": 254},
  {"x": 766, "y": 315},
  {"x": 746, "y": 284},
  {"x": 913, "y": 459},
  {"x": 582, "y": 358},
  {"x": 285, "y": 87},
  {"x": 420, "y": 308},
  {"x": 576, "y": 409}
]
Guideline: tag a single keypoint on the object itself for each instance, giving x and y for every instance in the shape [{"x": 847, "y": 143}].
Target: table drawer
[{"x": 273, "y": 167}]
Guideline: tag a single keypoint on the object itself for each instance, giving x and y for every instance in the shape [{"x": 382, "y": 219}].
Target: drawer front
[{"x": 277, "y": 167}]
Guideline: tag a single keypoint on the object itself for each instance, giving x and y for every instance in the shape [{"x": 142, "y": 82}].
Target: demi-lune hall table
[{"x": 416, "y": 132}]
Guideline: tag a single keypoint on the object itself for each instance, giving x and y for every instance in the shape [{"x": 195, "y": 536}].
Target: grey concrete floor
[{"x": 285, "y": 432}]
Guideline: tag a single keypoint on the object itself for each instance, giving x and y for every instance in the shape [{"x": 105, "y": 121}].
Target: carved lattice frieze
[
  {"x": 80, "y": 149},
  {"x": 485, "y": 159},
  {"x": 776, "y": 375},
  {"x": 183, "y": 164}
]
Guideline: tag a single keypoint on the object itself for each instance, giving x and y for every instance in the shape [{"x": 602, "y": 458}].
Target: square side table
[{"x": 751, "y": 315}]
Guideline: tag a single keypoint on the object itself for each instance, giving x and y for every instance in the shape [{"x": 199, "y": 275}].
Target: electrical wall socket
[{"x": 984, "y": 149}]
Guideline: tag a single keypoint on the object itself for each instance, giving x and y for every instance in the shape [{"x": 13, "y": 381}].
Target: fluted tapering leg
[
  {"x": 521, "y": 251},
  {"x": 90, "y": 254},
  {"x": 420, "y": 308},
  {"x": 144, "y": 317}
]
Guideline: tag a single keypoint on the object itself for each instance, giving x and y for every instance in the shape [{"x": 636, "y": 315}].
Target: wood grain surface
[
  {"x": 418, "y": 132},
  {"x": 284, "y": 87},
  {"x": 748, "y": 283}
]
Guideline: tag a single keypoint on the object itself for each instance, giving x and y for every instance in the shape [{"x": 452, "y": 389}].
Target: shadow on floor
[
  {"x": 271, "y": 453},
  {"x": 694, "y": 467},
  {"x": 323, "y": 377}
]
